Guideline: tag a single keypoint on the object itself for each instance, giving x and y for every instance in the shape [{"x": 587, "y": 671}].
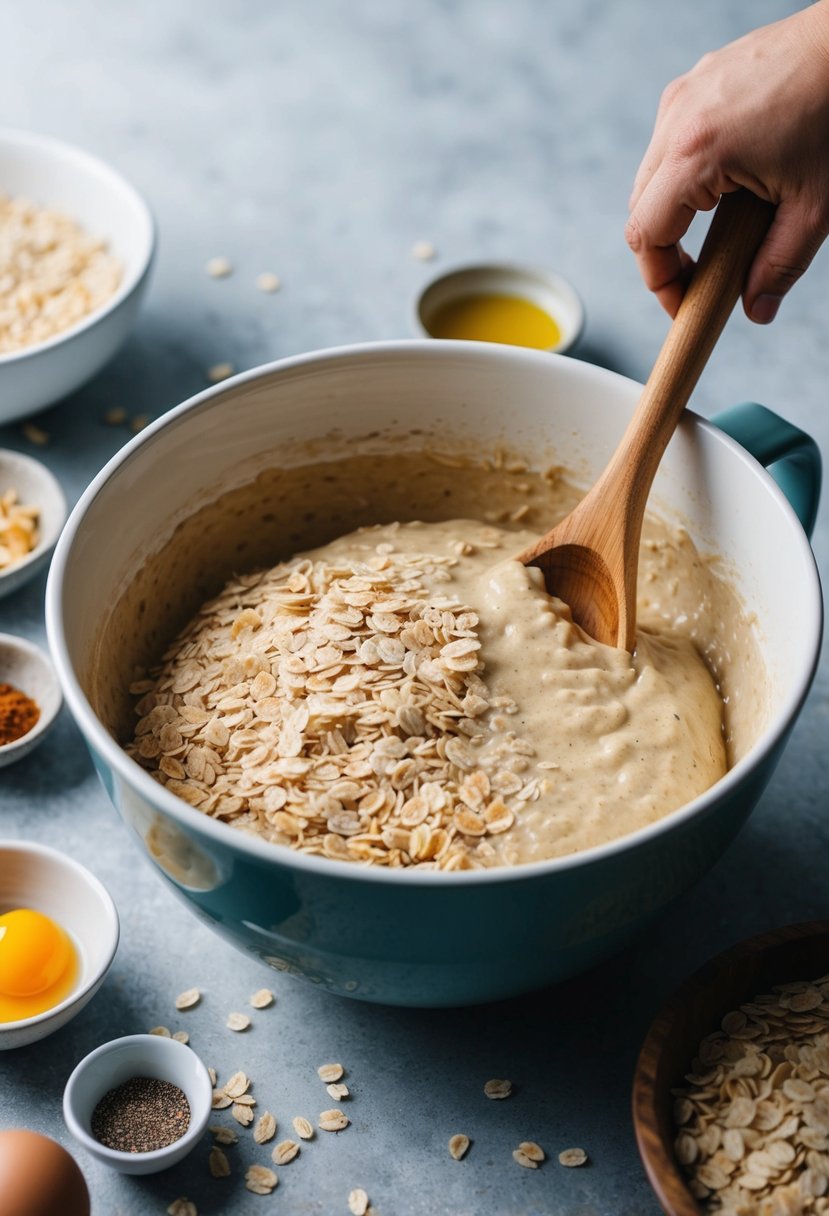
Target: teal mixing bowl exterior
[
  {"x": 426, "y": 943},
  {"x": 427, "y": 938}
]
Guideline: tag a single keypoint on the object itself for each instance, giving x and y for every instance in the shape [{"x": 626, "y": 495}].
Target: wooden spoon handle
[{"x": 736, "y": 232}]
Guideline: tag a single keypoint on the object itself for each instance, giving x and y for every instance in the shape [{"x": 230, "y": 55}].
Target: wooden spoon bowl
[
  {"x": 590, "y": 558},
  {"x": 696, "y": 1008}
]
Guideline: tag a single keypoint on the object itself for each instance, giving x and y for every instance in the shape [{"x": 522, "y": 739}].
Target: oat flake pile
[
  {"x": 371, "y": 764},
  {"x": 754, "y": 1120},
  {"x": 52, "y": 273}
]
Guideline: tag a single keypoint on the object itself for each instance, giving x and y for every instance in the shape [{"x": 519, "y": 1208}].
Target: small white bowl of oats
[
  {"x": 76, "y": 247},
  {"x": 32, "y": 513}
]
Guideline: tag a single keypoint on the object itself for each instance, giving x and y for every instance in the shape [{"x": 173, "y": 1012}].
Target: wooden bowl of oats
[
  {"x": 417, "y": 909},
  {"x": 78, "y": 244},
  {"x": 731, "y": 1089}
]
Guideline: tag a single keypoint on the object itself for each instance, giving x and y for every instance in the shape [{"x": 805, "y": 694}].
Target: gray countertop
[{"x": 321, "y": 141}]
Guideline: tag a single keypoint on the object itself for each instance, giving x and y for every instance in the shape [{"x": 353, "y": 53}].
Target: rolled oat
[{"x": 54, "y": 274}]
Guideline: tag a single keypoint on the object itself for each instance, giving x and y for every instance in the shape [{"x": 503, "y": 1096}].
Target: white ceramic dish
[
  {"x": 37, "y": 487},
  {"x": 34, "y": 876},
  {"x": 552, "y": 293},
  {"x": 27, "y": 667},
  {"x": 137, "y": 1055},
  {"x": 56, "y": 174}
]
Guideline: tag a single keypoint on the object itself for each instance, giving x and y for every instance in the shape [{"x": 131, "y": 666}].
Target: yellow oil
[{"x": 496, "y": 318}]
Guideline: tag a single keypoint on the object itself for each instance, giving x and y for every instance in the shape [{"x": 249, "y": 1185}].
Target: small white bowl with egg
[
  {"x": 58, "y": 176},
  {"x": 34, "y": 876}
]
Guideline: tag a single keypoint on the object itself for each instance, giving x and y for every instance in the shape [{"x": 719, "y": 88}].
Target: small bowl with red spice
[
  {"x": 30, "y": 697},
  {"x": 139, "y": 1104}
]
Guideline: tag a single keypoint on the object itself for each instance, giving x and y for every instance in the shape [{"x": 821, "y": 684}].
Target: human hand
[{"x": 754, "y": 114}]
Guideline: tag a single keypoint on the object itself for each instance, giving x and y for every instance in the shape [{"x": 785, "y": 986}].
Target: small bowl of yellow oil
[{"x": 501, "y": 302}]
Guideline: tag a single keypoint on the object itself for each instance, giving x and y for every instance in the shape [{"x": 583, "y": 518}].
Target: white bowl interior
[
  {"x": 35, "y": 486},
  {"x": 32, "y": 876},
  {"x": 390, "y": 398},
  {"x": 139, "y": 1055},
  {"x": 57, "y": 175},
  {"x": 28, "y": 668}
]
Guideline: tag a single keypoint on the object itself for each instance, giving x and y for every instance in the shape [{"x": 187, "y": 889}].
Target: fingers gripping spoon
[{"x": 590, "y": 559}]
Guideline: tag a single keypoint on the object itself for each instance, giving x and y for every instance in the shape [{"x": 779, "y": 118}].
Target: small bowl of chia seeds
[{"x": 139, "y": 1104}]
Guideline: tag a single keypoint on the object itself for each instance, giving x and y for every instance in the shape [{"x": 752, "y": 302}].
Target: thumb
[{"x": 796, "y": 234}]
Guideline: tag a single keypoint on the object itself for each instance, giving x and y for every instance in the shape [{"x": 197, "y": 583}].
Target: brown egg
[{"x": 39, "y": 1178}]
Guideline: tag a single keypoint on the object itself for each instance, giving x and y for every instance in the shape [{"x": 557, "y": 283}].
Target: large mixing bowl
[{"x": 415, "y": 938}]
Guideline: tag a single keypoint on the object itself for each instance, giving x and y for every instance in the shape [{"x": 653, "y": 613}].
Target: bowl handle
[{"x": 791, "y": 456}]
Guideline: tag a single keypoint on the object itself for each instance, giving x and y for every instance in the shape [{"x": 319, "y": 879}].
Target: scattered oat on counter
[
  {"x": 181, "y": 1036},
  {"x": 358, "y": 1202},
  {"x": 238, "y": 1022},
  {"x": 161, "y": 1031},
  {"x": 237, "y": 1085},
  {"x": 182, "y": 1207},
  {"x": 330, "y": 1072},
  {"x": 265, "y": 1129},
  {"x": 188, "y": 999},
  {"x": 268, "y": 282},
  {"x": 285, "y": 1151},
  {"x": 219, "y": 371},
  {"x": 223, "y": 1135},
  {"x": 260, "y": 1180},
  {"x": 529, "y": 1154},
  {"x": 572, "y": 1157},
  {"x": 218, "y": 1163},
  {"x": 423, "y": 251},
  {"x": 35, "y": 434},
  {"x": 19, "y": 533},
  {"x": 116, "y": 416},
  {"x": 242, "y": 1114},
  {"x": 459, "y": 1146},
  {"x": 498, "y": 1089},
  {"x": 219, "y": 268},
  {"x": 54, "y": 273}
]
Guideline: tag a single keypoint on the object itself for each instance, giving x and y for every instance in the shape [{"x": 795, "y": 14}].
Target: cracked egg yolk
[{"x": 38, "y": 964}]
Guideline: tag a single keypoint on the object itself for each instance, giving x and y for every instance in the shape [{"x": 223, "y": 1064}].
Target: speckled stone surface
[{"x": 320, "y": 141}]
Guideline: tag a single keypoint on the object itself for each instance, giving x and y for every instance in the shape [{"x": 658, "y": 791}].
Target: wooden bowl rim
[{"x": 663, "y": 1171}]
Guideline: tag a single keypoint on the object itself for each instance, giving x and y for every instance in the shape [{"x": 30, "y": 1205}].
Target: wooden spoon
[{"x": 590, "y": 559}]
